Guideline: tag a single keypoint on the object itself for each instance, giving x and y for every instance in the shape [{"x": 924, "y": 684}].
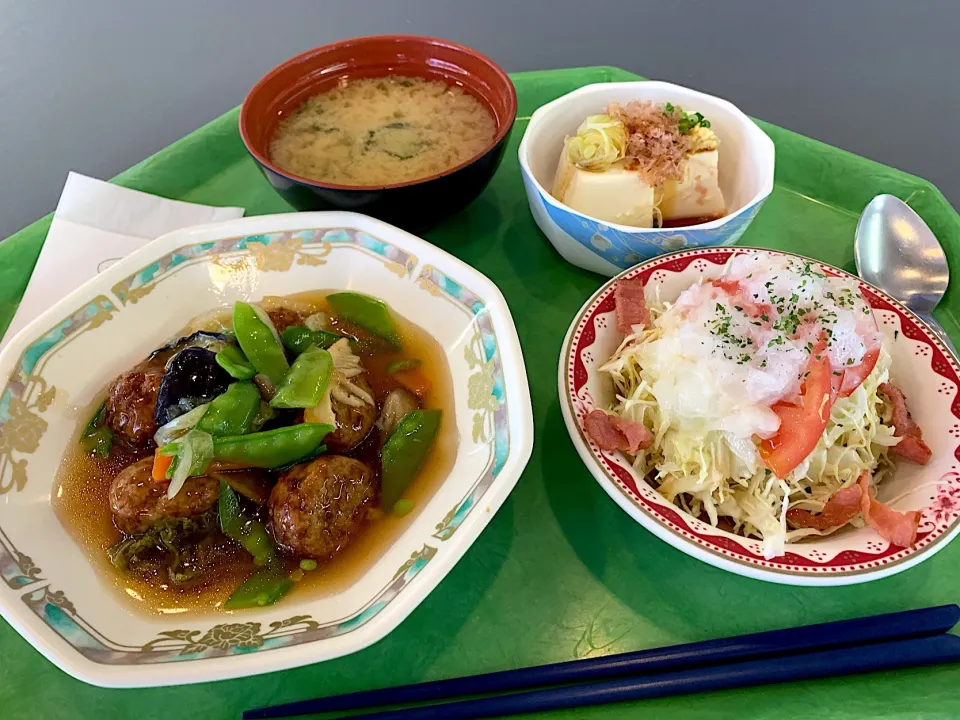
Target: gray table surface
[{"x": 96, "y": 86}]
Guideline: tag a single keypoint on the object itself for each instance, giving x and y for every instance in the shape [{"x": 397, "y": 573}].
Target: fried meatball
[
  {"x": 282, "y": 318},
  {"x": 316, "y": 508},
  {"x": 138, "y": 501},
  {"x": 131, "y": 403},
  {"x": 353, "y": 422}
]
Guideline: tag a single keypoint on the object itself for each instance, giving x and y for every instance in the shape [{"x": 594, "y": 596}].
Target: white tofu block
[
  {"x": 698, "y": 194},
  {"x": 614, "y": 195}
]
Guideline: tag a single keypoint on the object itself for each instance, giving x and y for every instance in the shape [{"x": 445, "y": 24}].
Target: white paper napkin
[{"x": 96, "y": 224}]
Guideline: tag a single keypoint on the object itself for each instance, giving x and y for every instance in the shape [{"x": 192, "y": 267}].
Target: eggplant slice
[
  {"x": 208, "y": 340},
  {"x": 192, "y": 377}
]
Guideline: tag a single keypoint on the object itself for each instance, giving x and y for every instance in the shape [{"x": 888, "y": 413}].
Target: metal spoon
[{"x": 897, "y": 252}]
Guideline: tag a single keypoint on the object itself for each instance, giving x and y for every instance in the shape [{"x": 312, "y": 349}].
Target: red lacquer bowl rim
[{"x": 504, "y": 124}]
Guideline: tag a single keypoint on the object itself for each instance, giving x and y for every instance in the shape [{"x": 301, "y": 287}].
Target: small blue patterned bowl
[{"x": 746, "y": 177}]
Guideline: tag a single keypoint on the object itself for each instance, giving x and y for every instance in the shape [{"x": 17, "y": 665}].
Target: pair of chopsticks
[{"x": 892, "y": 641}]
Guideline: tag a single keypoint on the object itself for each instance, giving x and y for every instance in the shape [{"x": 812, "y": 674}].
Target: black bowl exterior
[{"x": 415, "y": 208}]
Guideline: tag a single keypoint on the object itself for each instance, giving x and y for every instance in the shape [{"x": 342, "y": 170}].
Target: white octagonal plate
[{"x": 54, "y": 368}]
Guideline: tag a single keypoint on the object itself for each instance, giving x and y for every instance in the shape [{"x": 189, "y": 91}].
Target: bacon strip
[
  {"x": 613, "y": 433},
  {"x": 899, "y": 528},
  {"x": 631, "y": 304},
  {"x": 911, "y": 445},
  {"x": 840, "y": 509}
]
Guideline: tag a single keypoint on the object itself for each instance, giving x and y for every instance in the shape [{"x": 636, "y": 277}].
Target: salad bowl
[{"x": 921, "y": 367}]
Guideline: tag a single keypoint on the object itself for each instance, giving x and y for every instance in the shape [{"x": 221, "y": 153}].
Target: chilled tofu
[
  {"x": 642, "y": 165},
  {"x": 698, "y": 194},
  {"x": 614, "y": 195}
]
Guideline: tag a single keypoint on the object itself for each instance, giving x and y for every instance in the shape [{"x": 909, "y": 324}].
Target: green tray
[{"x": 561, "y": 572}]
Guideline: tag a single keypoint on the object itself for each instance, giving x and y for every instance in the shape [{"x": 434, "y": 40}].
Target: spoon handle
[{"x": 938, "y": 330}]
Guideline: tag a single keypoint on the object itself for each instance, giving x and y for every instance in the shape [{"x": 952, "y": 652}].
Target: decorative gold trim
[
  {"x": 480, "y": 385},
  {"x": 227, "y": 635},
  {"x": 425, "y": 281},
  {"x": 279, "y": 254},
  {"x": 22, "y": 432}
]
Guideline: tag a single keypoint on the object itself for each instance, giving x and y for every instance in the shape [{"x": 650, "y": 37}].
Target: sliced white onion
[
  {"x": 179, "y": 426},
  {"x": 195, "y": 452},
  {"x": 265, "y": 319}
]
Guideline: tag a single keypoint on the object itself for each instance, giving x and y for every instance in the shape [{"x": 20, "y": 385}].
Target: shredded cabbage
[
  {"x": 600, "y": 141},
  {"x": 718, "y": 475}
]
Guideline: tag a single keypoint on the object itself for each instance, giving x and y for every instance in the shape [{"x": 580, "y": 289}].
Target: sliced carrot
[
  {"x": 161, "y": 463},
  {"x": 414, "y": 380}
]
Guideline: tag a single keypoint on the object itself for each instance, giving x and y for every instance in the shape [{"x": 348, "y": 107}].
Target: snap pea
[
  {"x": 267, "y": 585},
  {"x": 232, "y": 359},
  {"x": 403, "y": 507},
  {"x": 271, "y": 448},
  {"x": 232, "y": 412},
  {"x": 367, "y": 312},
  {"x": 259, "y": 341},
  {"x": 270, "y": 581},
  {"x": 305, "y": 382},
  {"x": 401, "y": 365},
  {"x": 264, "y": 415},
  {"x": 404, "y": 452},
  {"x": 249, "y": 532},
  {"x": 228, "y": 507},
  {"x": 297, "y": 339}
]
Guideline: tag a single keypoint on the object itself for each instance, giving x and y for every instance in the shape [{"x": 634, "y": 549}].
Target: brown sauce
[{"x": 80, "y": 492}]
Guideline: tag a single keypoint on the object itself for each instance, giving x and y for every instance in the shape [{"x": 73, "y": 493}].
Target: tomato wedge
[
  {"x": 854, "y": 376},
  {"x": 802, "y": 425}
]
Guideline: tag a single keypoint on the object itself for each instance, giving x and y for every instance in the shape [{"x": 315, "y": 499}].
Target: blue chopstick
[
  {"x": 823, "y": 636},
  {"x": 892, "y": 655}
]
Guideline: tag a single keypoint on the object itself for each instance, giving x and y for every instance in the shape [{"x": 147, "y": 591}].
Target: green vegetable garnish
[
  {"x": 267, "y": 585},
  {"x": 299, "y": 339},
  {"x": 192, "y": 455},
  {"x": 401, "y": 365},
  {"x": 249, "y": 532},
  {"x": 270, "y": 581},
  {"x": 308, "y": 564},
  {"x": 304, "y": 384},
  {"x": 688, "y": 122},
  {"x": 232, "y": 412},
  {"x": 367, "y": 312},
  {"x": 96, "y": 439},
  {"x": 177, "y": 545},
  {"x": 232, "y": 359},
  {"x": 259, "y": 341},
  {"x": 272, "y": 449},
  {"x": 404, "y": 452},
  {"x": 403, "y": 507}
]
